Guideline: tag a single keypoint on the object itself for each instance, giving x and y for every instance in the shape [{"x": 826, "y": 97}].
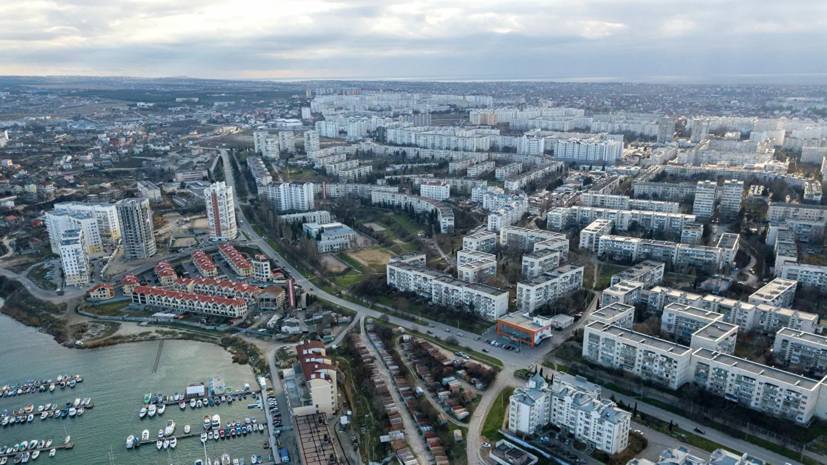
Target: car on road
[
  {"x": 485, "y": 350},
  {"x": 699, "y": 431}
]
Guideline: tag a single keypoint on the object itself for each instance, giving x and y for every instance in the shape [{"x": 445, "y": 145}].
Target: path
[
  {"x": 414, "y": 440},
  {"x": 39, "y": 293}
]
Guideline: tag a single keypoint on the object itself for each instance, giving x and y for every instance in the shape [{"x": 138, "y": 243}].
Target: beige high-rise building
[
  {"x": 137, "y": 230},
  {"x": 220, "y": 202}
]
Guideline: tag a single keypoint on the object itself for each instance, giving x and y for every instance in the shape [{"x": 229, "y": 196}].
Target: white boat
[
  {"x": 130, "y": 441},
  {"x": 35, "y": 455},
  {"x": 48, "y": 444},
  {"x": 209, "y": 435},
  {"x": 76, "y": 403},
  {"x": 162, "y": 408},
  {"x": 173, "y": 442},
  {"x": 151, "y": 410},
  {"x": 160, "y": 434},
  {"x": 72, "y": 411},
  {"x": 186, "y": 429},
  {"x": 32, "y": 443},
  {"x": 203, "y": 438},
  {"x": 40, "y": 408},
  {"x": 225, "y": 459},
  {"x": 159, "y": 444},
  {"x": 192, "y": 403},
  {"x": 142, "y": 413},
  {"x": 216, "y": 421},
  {"x": 235, "y": 462},
  {"x": 52, "y": 452},
  {"x": 199, "y": 404},
  {"x": 80, "y": 411},
  {"x": 67, "y": 440},
  {"x": 30, "y": 418},
  {"x": 145, "y": 435},
  {"x": 52, "y": 387},
  {"x": 169, "y": 430},
  {"x": 166, "y": 443},
  {"x": 182, "y": 405}
]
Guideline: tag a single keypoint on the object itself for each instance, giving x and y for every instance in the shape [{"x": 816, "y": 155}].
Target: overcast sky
[{"x": 427, "y": 39}]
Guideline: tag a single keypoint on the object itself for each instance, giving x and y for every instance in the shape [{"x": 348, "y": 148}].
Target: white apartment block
[
  {"x": 445, "y": 215},
  {"x": 778, "y": 292},
  {"x": 330, "y": 237},
  {"x": 260, "y": 173},
  {"x": 315, "y": 216},
  {"x": 616, "y": 313},
  {"x": 597, "y": 150},
  {"x": 529, "y": 407},
  {"x": 647, "y": 272},
  {"x": 813, "y": 192},
  {"x": 597, "y": 422},
  {"x": 488, "y": 302},
  {"x": 718, "y": 336},
  {"x": 624, "y": 202},
  {"x": 527, "y": 239},
  {"x": 479, "y": 169},
  {"x": 473, "y": 266},
  {"x": 536, "y": 263},
  {"x": 149, "y": 190},
  {"x": 548, "y": 287},
  {"x": 519, "y": 181},
  {"x": 508, "y": 170},
  {"x": 811, "y": 276},
  {"x": 805, "y": 351},
  {"x": 750, "y": 317},
  {"x": 681, "y": 321},
  {"x": 625, "y": 292},
  {"x": 705, "y": 194},
  {"x": 336, "y": 190},
  {"x": 311, "y": 142},
  {"x": 73, "y": 258},
  {"x": 732, "y": 194},
  {"x": 729, "y": 243},
  {"x": 590, "y": 235},
  {"x": 355, "y": 173},
  {"x": 663, "y": 190},
  {"x": 692, "y": 233},
  {"x": 266, "y": 144},
  {"x": 292, "y": 196},
  {"x": 57, "y": 222},
  {"x": 669, "y": 223},
  {"x": 106, "y": 214},
  {"x": 220, "y": 202},
  {"x": 756, "y": 386},
  {"x": 622, "y": 248},
  {"x": 436, "y": 190},
  {"x": 480, "y": 240},
  {"x": 531, "y": 144},
  {"x": 647, "y": 357}
]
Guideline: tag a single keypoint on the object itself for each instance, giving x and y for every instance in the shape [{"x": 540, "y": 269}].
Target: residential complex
[
  {"x": 220, "y": 202},
  {"x": 137, "y": 228}
]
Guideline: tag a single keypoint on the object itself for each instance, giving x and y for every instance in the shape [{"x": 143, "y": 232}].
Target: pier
[
  {"x": 62, "y": 446},
  {"x": 40, "y": 385},
  {"x": 191, "y": 434}
]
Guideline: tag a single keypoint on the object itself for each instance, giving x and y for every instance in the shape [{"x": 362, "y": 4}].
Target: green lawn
[
  {"x": 496, "y": 416},
  {"x": 108, "y": 309}
]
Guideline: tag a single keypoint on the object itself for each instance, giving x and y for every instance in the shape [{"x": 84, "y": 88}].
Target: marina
[
  {"x": 195, "y": 396},
  {"x": 30, "y": 413},
  {"x": 116, "y": 377},
  {"x": 211, "y": 431},
  {"x": 24, "y": 451},
  {"x": 60, "y": 382}
]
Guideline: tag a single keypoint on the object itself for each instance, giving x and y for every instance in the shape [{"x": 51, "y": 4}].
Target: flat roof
[
  {"x": 694, "y": 312},
  {"x": 716, "y": 330},
  {"x": 728, "y": 240},
  {"x": 803, "y": 335},
  {"x": 612, "y": 310},
  {"x": 639, "y": 339},
  {"x": 757, "y": 369}
]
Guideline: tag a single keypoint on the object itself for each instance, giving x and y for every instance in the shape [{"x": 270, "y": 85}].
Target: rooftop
[
  {"x": 639, "y": 339},
  {"x": 757, "y": 369}
]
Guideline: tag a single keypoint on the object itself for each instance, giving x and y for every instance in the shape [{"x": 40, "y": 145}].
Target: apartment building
[
  {"x": 479, "y": 169},
  {"x": 812, "y": 192},
  {"x": 107, "y": 215},
  {"x": 319, "y": 375},
  {"x": 779, "y": 292},
  {"x": 311, "y": 142},
  {"x": 596, "y": 150},
  {"x": 759, "y": 387},
  {"x": 527, "y": 239},
  {"x": 189, "y": 302},
  {"x": 437, "y": 190},
  {"x": 624, "y": 220},
  {"x": 220, "y": 202},
  {"x": 74, "y": 260},
  {"x": 810, "y": 276},
  {"x": 410, "y": 275},
  {"x": 590, "y": 235},
  {"x": 729, "y": 243},
  {"x": 681, "y": 321},
  {"x": 238, "y": 262},
  {"x": 507, "y": 171},
  {"x": 288, "y": 196},
  {"x": 204, "y": 264},
  {"x": 445, "y": 215},
  {"x": 315, "y": 216},
  {"x": 261, "y": 268},
  {"x": 137, "y": 228},
  {"x": 260, "y": 173},
  {"x": 548, "y": 287},
  {"x": 647, "y": 357},
  {"x": 521, "y": 180},
  {"x": 750, "y": 317},
  {"x": 616, "y": 313},
  {"x": 718, "y": 336},
  {"x": 732, "y": 194},
  {"x": 165, "y": 273},
  {"x": 704, "y": 204},
  {"x": 58, "y": 222},
  {"x": 264, "y": 298},
  {"x": 149, "y": 190},
  {"x": 536, "y": 263},
  {"x": 663, "y": 190},
  {"x": 480, "y": 240},
  {"x": 529, "y": 407},
  {"x": 474, "y": 266},
  {"x": 624, "y": 202},
  {"x": 683, "y": 256},
  {"x": 802, "y": 350},
  {"x": 647, "y": 272},
  {"x": 692, "y": 233},
  {"x": 625, "y": 292},
  {"x": 330, "y": 237}
]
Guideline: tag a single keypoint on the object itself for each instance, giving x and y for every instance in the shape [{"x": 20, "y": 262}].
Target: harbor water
[{"x": 117, "y": 378}]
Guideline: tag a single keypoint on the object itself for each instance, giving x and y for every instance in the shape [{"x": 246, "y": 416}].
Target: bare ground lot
[{"x": 372, "y": 257}]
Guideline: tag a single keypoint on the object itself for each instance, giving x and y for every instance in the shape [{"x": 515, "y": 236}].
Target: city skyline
[{"x": 424, "y": 40}]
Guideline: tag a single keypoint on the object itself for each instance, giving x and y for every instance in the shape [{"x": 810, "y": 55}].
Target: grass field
[{"x": 494, "y": 419}]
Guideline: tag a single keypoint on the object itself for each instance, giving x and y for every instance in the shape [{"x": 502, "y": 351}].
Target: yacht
[
  {"x": 162, "y": 408},
  {"x": 216, "y": 421},
  {"x": 76, "y": 403},
  {"x": 166, "y": 443},
  {"x": 170, "y": 428},
  {"x": 72, "y": 411},
  {"x": 203, "y": 438},
  {"x": 147, "y": 397},
  {"x": 142, "y": 413},
  {"x": 225, "y": 459},
  {"x": 207, "y": 423},
  {"x": 173, "y": 442},
  {"x": 192, "y": 403},
  {"x": 52, "y": 452},
  {"x": 48, "y": 444},
  {"x": 159, "y": 444},
  {"x": 67, "y": 440},
  {"x": 145, "y": 435},
  {"x": 130, "y": 441},
  {"x": 151, "y": 410},
  {"x": 199, "y": 404},
  {"x": 182, "y": 405},
  {"x": 35, "y": 454}
]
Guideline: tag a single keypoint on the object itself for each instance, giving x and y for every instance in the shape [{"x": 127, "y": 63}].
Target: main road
[{"x": 511, "y": 360}]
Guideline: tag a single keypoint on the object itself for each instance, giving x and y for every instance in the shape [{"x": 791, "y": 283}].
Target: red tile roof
[{"x": 157, "y": 291}]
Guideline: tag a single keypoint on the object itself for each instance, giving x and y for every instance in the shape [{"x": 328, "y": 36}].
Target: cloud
[{"x": 470, "y": 39}]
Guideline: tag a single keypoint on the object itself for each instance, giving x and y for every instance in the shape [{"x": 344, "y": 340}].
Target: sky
[{"x": 635, "y": 40}]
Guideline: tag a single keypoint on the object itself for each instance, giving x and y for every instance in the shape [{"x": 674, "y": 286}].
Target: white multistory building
[
  {"x": 802, "y": 350},
  {"x": 548, "y": 287},
  {"x": 220, "y": 202},
  {"x": 73, "y": 258},
  {"x": 474, "y": 266},
  {"x": 288, "y": 196},
  {"x": 732, "y": 191},
  {"x": 106, "y": 215},
  {"x": 590, "y": 235},
  {"x": 311, "y": 142},
  {"x": 669, "y": 223},
  {"x": 596, "y": 150},
  {"x": 778, "y": 292},
  {"x": 704, "y": 204},
  {"x": 59, "y": 221},
  {"x": 437, "y": 190}
]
